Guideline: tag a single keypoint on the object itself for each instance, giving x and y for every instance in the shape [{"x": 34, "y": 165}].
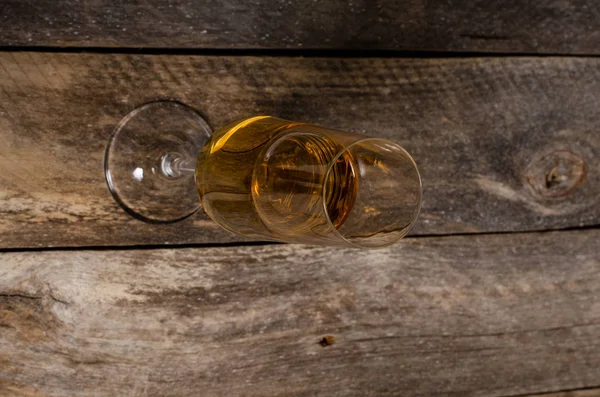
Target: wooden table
[{"x": 496, "y": 292}]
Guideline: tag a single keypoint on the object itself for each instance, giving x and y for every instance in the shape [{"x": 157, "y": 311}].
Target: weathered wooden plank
[
  {"x": 502, "y": 144},
  {"x": 569, "y": 26},
  {"x": 491, "y": 315}
]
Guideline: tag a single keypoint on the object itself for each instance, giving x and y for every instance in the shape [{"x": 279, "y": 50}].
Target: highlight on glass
[{"x": 263, "y": 177}]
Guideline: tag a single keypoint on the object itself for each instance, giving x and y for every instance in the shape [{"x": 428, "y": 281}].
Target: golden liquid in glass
[{"x": 264, "y": 174}]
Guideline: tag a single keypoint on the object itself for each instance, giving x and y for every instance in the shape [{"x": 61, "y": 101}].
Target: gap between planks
[{"x": 267, "y": 243}]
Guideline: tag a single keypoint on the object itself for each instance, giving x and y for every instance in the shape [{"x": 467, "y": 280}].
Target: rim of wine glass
[
  {"x": 324, "y": 199},
  {"x": 113, "y": 135}
]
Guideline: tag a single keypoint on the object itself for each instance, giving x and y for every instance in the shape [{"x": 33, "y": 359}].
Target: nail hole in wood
[{"x": 327, "y": 340}]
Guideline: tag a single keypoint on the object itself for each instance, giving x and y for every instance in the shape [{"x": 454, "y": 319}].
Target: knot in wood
[{"x": 556, "y": 174}]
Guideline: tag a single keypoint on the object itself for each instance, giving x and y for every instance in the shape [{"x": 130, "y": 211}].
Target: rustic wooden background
[{"x": 496, "y": 292}]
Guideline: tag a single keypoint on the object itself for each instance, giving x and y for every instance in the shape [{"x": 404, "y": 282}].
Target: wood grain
[
  {"x": 573, "y": 393},
  {"x": 492, "y": 315},
  {"x": 507, "y": 144},
  {"x": 569, "y": 26}
]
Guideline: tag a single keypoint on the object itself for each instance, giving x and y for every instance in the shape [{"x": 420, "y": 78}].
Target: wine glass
[{"x": 263, "y": 177}]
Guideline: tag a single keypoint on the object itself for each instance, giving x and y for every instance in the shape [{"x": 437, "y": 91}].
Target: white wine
[
  {"x": 295, "y": 186},
  {"x": 265, "y": 177}
]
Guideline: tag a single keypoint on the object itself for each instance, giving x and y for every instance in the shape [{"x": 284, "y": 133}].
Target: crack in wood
[
  {"x": 19, "y": 295},
  {"x": 34, "y": 297}
]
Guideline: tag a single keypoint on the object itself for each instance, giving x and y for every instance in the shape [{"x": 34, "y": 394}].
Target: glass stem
[{"x": 174, "y": 165}]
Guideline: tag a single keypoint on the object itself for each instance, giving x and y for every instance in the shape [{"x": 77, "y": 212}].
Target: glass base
[{"x": 150, "y": 161}]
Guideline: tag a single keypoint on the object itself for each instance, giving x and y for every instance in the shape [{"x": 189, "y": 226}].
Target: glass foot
[{"x": 150, "y": 161}]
